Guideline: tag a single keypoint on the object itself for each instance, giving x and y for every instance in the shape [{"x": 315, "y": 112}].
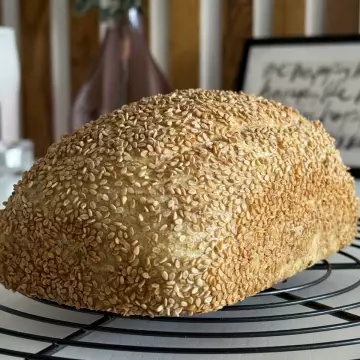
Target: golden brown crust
[{"x": 177, "y": 203}]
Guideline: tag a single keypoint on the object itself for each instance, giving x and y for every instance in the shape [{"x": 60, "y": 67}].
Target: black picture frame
[{"x": 290, "y": 42}]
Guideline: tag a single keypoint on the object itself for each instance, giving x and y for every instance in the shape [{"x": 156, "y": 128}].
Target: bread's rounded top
[{"x": 147, "y": 197}]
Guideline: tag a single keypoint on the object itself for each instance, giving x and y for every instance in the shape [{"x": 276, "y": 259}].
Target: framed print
[{"x": 319, "y": 76}]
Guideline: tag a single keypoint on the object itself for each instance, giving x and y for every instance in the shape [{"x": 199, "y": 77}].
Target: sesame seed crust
[{"x": 178, "y": 203}]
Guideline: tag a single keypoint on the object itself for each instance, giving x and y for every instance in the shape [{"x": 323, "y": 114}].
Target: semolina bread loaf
[{"x": 178, "y": 203}]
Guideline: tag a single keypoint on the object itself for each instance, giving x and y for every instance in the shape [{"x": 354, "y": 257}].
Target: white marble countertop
[{"x": 337, "y": 280}]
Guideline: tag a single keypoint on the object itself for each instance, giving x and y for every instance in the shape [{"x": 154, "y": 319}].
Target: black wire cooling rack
[{"x": 313, "y": 306}]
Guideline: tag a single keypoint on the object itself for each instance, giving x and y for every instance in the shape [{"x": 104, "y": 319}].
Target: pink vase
[{"x": 124, "y": 71}]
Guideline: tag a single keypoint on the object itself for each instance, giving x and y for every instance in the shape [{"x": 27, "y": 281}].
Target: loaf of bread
[{"x": 178, "y": 203}]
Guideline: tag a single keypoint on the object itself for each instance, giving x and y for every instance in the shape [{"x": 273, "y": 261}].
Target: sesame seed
[
  {"x": 136, "y": 250},
  {"x": 123, "y": 199},
  {"x": 131, "y": 231},
  {"x": 160, "y": 308},
  {"x": 194, "y": 291},
  {"x": 142, "y": 173},
  {"x": 165, "y": 275}
]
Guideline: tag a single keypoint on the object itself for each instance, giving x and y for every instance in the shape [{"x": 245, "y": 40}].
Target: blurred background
[{"x": 191, "y": 43}]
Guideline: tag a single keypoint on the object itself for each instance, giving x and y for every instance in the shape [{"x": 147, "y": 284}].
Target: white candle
[
  {"x": 315, "y": 17},
  {"x": 9, "y": 86},
  {"x": 210, "y": 44},
  {"x": 60, "y": 69},
  {"x": 262, "y": 18},
  {"x": 159, "y": 33}
]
